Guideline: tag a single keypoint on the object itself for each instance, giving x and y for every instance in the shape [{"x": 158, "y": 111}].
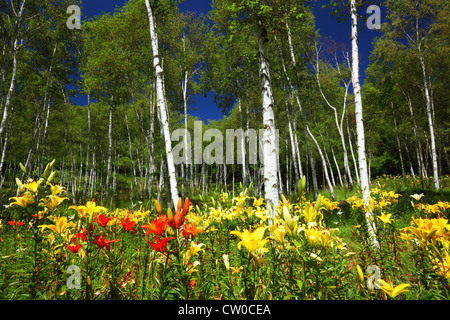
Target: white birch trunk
[
  {"x": 269, "y": 133},
  {"x": 430, "y": 122},
  {"x": 162, "y": 107},
  {"x": 361, "y": 149}
]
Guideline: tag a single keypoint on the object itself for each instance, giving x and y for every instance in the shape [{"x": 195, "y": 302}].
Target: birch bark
[
  {"x": 162, "y": 106},
  {"x": 361, "y": 149}
]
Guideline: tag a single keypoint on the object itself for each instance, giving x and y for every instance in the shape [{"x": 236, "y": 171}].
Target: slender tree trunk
[
  {"x": 88, "y": 147},
  {"x": 133, "y": 169},
  {"x": 244, "y": 165},
  {"x": 108, "y": 168},
  {"x": 162, "y": 107},
  {"x": 430, "y": 121},
  {"x": 324, "y": 164},
  {"x": 361, "y": 148},
  {"x": 72, "y": 178},
  {"x": 269, "y": 134},
  {"x": 10, "y": 91}
]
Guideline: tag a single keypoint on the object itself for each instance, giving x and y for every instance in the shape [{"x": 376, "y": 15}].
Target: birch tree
[{"x": 162, "y": 105}]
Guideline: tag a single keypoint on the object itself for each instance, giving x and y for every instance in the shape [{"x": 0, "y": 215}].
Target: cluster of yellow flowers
[
  {"x": 239, "y": 210},
  {"x": 380, "y": 200},
  {"x": 436, "y": 208},
  {"x": 433, "y": 237}
]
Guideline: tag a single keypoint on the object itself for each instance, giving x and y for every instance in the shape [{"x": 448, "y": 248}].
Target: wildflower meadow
[{"x": 223, "y": 248}]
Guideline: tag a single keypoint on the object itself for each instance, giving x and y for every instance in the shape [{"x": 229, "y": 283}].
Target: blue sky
[{"x": 205, "y": 108}]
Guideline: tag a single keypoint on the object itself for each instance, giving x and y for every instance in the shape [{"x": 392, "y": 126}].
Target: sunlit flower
[
  {"x": 59, "y": 227},
  {"x": 23, "y": 200},
  {"x": 417, "y": 196},
  {"x": 56, "y": 189},
  {"x": 278, "y": 233},
  {"x": 74, "y": 247},
  {"x": 16, "y": 223},
  {"x": 32, "y": 185},
  {"x": 236, "y": 270},
  {"x": 160, "y": 245},
  {"x": 90, "y": 210},
  {"x": 388, "y": 287},
  {"x": 127, "y": 224},
  {"x": 251, "y": 240},
  {"x": 53, "y": 201},
  {"x": 103, "y": 220},
  {"x": 442, "y": 266},
  {"x": 194, "y": 248},
  {"x": 157, "y": 226},
  {"x": 385, "y": 217},
  {"x": 312, "y": 234},
  {"x": 190, "y": 230},
  {"x": 179, "y": 216},
  {"x": 102, "y": 242}
]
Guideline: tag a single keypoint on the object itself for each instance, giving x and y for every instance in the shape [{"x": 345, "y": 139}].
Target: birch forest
[{"x": 309, "y": 140}]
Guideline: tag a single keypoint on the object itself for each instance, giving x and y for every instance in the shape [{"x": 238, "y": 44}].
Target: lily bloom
[
  {"x": 190, "y": 230},
  {"x": 101, "y": 242},
  {"x": 178, "y": 218},
  {"x": 157, "y": 226},
  {"x": 32, "y": 185},
  {"x": 17, "y": 223},
  {"x": 56, "y": 189},
  {"x": 386, "y": 217},
  {"x": 160, "y": 246},
  {"x": 53, "y": 201},
  {"x": 127, "y": 224},
  {"x": 74, "y": 248},
  {"x": 251, "y": 240},
  {"x": 59, "y": 227},
  {"x": 22, "y": 201},
  {"x": 103, "y": 221},
  {"x": 89, "y": 210},
  {"x": 388, "y": 287}
]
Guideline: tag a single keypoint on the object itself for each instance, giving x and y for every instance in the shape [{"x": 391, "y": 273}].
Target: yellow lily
[
  {"x": 89, "y": 210},
  {"x": 32, "y": 185},
  {"x": 251, "y": 240},
  {"x": 59, "y": 227},
  {"x": 278, "y": 233},
  {"x": 388, "y": 287},
  {"x": 289, "y": 223},
  {"x": 310, "y": 215},
  {"x": 53, "y": 201},
  {"x": 386, "y": 218},
  {"x": 23, "y": 200},
  {"x": 236, "y": 270},
  {"x": 56, "y": 189},
  {"x": 326, "y": 236},
  {"x": 193, "y": 249},
  {"x": 442, "y": 267},
  {"x": 313, "y": 235}
]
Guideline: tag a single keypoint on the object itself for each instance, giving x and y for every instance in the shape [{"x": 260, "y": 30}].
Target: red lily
[
  {"x": 178, "y": 218},
  {"x": 160, "y": 246},
  {"x": 74, "y": 248},
  {"x": 103, "y": 221},
  {"x": 101, "y": 242},
  {"x": 17, "y": 223},
  {"x": 157, "y": 226},
  {"x": 127, "y": 224},
  {"x": 81, "y": 235},
  {"x": 190, "y": 230}
]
